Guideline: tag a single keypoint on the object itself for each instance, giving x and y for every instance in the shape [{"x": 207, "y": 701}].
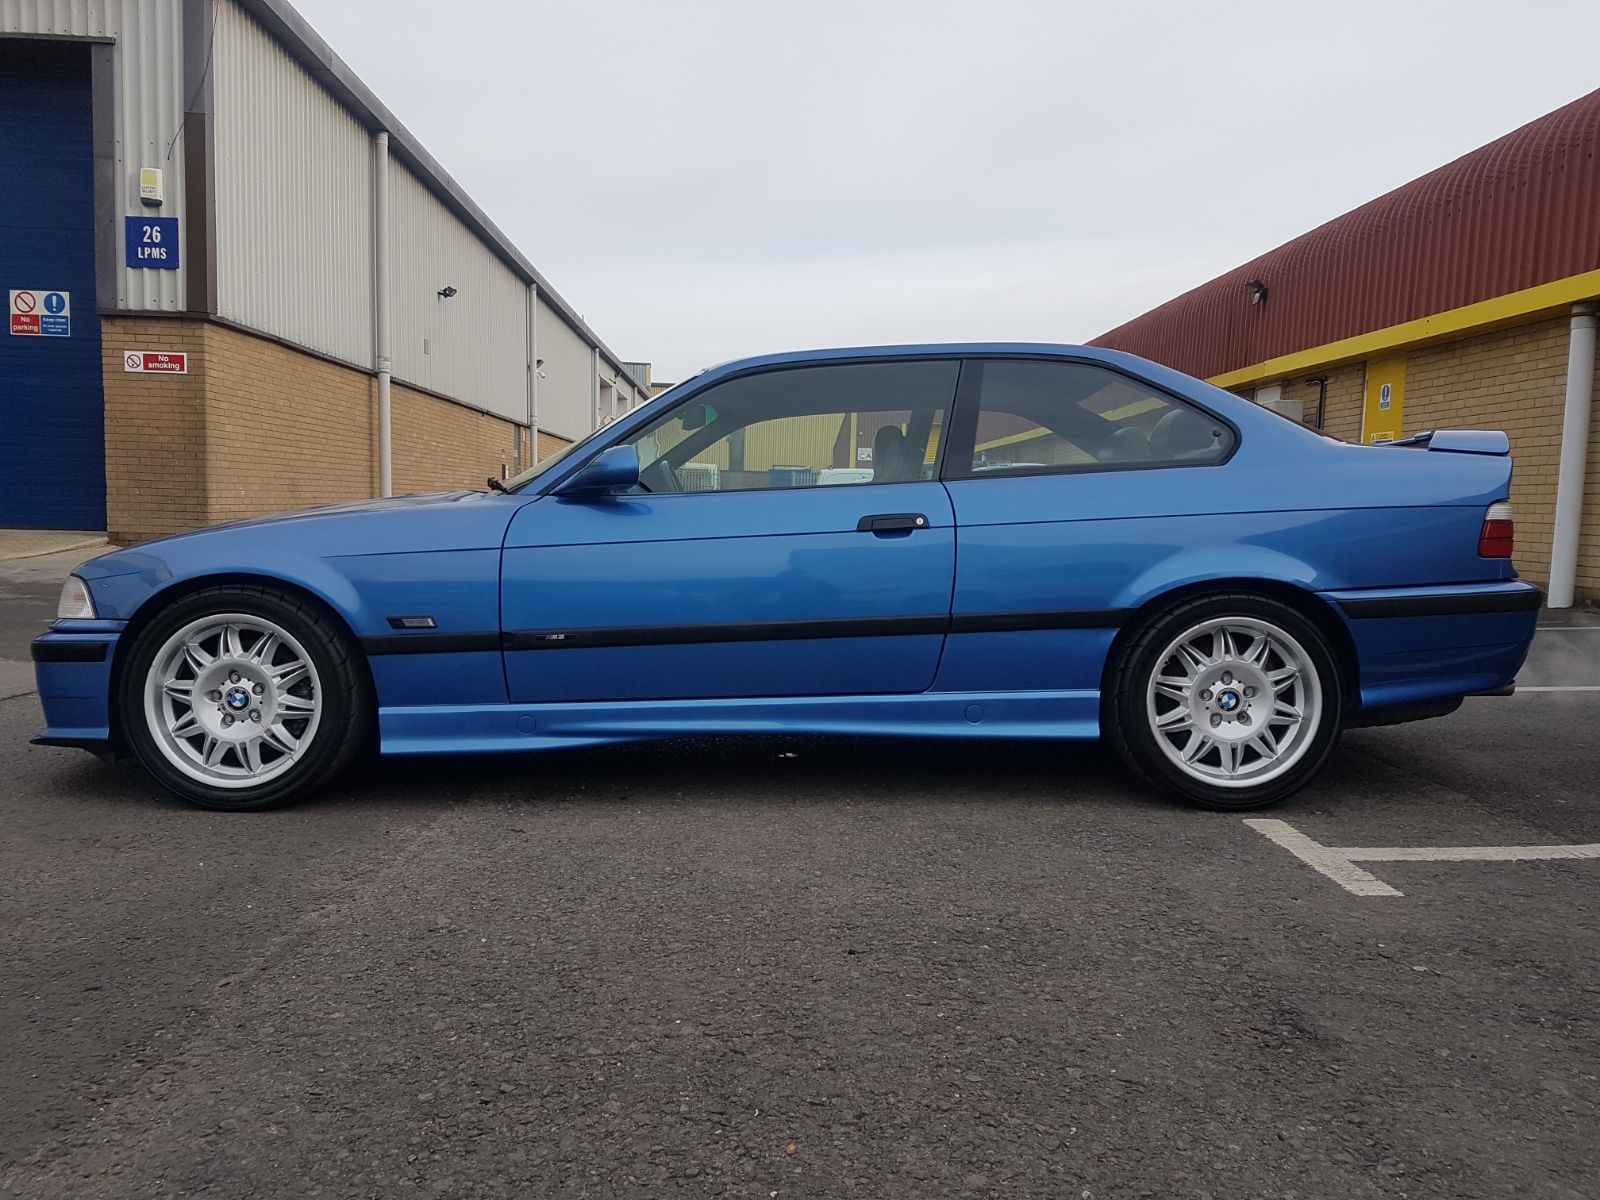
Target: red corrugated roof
[{"x": 1521, "y": 211}]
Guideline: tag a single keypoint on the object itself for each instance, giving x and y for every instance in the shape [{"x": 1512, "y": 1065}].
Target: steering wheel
[{"x": 660, "y": 477}]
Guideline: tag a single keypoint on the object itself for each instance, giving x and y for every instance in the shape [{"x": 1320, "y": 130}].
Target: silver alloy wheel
[
  {"x": 232, "y": 700},
  {"x": 1234, "y": 701}
]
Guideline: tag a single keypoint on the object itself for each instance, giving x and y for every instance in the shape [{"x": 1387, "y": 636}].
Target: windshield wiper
[{"x": 496, "y": 486}]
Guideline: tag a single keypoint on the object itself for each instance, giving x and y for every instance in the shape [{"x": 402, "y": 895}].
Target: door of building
[{"x": 52, "y": 406}]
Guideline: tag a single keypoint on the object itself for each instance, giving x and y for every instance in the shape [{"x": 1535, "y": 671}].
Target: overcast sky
[{"x": 706, "y": 180}]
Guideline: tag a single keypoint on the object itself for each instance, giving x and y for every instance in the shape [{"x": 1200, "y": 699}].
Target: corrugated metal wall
[
  {"x": 149, "y": 84},
  {"x": 471, "y": 346},
  {"x": 1521, "y": 211},
  {"x": 294, "y": 179},
  {"x": 294, "y": 232},
  {"x": 566, "y": 390}
]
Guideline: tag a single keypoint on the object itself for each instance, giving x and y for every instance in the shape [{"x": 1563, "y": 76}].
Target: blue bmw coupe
[{"x": 961, "y": 541}]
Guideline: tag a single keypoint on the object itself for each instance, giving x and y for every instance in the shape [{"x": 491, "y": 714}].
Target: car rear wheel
[
  {"x": 1231, "y": 701},
  {"x": 243, "y": 698}
]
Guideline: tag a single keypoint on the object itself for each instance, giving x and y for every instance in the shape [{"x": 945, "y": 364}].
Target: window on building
[
  {"x": 1059, "y": 416},
  {"x": 828, "y": 425}
]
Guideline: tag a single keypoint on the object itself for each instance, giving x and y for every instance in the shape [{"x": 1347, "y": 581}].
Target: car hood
[
  {"x": 388, "y": 504},
  {"x": 397, "y": 525}
]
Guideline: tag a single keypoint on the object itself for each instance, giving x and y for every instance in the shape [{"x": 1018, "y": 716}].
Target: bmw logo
[
  {"x": 1228, "y": 701},
  {"x": 238, "y": 699}
]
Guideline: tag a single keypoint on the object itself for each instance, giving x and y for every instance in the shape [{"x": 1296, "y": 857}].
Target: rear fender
[{"x": 1231, "y": 563}]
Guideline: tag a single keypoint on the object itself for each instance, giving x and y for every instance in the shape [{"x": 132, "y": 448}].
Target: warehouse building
[
  {"x": 236, "y": 284},
  {"x": 1465, "y": 299}
]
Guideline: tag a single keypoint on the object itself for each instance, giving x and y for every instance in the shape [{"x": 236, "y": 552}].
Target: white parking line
[
  {"x": 1320, "y": 858},
  {"x": 1338, "y": 862},
  {"x": 1577, "y": 687},
  {"x": 1567, "y": 628}
]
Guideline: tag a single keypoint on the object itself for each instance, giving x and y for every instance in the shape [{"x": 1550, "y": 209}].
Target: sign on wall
[
  {"x": 152, "y": 242},
  {"x": 36, "y": 312},
  {"x": 155, "y": 362},
  {"x": 1384, "y": 414}
]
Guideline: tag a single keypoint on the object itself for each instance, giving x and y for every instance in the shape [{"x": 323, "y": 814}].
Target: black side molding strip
[
  {"x": 757, "y": 631},
  {"x": 430, "y": 643},
  {"x": 1460, "y": 603},
  {"x": 1025, "y": 622},
  {"x": 65, "y": 652}
]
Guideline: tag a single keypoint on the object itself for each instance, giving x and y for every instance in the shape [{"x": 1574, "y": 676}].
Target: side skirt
[{"x": 502, "y": 728}]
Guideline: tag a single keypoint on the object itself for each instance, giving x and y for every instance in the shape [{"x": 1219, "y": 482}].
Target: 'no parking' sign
[{"x": 36, "y": 312}]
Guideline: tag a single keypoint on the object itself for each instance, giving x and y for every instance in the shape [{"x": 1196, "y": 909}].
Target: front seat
[
  {"x": 1181, "y": 435},
  {"x": 891, "y": 456},
  {"x": 1129, "y": 444}
]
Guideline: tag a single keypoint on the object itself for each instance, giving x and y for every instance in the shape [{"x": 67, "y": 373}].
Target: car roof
[{"x": 916, "y": 349}]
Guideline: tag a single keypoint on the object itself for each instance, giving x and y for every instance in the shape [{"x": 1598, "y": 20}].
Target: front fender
[{"x": 144, "y": 576}]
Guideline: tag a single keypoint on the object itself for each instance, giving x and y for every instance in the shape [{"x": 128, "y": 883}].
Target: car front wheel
[
  {"x": 1231, "y": 701},
  {"x": 243, "y": 698}
]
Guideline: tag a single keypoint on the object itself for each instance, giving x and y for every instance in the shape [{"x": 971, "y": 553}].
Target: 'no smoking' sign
[{"x": 156, "y": 362}]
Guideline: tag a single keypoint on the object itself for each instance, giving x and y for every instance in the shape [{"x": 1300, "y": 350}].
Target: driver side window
[{"x": 840, "y": 423}]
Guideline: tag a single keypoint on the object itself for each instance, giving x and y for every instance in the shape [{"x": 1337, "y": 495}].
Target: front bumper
[
  {"x": 1433, "y": 643},
  {"x": 72, "y": 665}
]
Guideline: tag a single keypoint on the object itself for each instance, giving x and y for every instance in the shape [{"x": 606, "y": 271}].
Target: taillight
[{"x": 1499, "y": 533}]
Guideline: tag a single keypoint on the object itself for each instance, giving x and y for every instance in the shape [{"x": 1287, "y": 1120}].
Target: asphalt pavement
[{"x": 785, "y": 968}]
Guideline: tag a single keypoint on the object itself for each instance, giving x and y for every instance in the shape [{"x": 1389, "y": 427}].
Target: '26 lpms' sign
[{"x": 152, "y": 242}]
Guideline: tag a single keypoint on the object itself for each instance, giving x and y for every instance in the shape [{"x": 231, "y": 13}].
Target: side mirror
[{"x": 609, "y": 471}]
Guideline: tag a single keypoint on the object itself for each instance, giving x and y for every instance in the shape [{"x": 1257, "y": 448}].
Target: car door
[
  {"x": 737, "y": 568},
  {"x": 1069, "y": 480}
]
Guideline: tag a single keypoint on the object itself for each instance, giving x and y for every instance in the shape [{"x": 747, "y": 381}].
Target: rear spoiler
[{"x": 1459, "y": 441}]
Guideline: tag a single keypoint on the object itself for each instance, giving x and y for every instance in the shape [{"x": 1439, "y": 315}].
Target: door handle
[{"x": 891, "y": 523}]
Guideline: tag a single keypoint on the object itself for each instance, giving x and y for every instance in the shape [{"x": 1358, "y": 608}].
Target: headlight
[{"x": 75, "y": 603}]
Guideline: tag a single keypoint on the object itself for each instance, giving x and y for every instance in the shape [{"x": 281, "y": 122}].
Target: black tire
[
  {"x": 1128, "y": 720},
  {"x": 345, "y": 720}
]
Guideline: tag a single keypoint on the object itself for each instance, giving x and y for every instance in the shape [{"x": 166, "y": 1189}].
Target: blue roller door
[{"x": 52, "y": 406}]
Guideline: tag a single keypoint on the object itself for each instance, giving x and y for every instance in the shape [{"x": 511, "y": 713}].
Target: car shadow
[
  {"x": 732, "y": 770},
  {"x": 772, "y": 770}
]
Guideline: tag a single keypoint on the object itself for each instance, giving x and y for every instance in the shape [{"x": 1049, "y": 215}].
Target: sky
[{"x": 709, "y": 179}]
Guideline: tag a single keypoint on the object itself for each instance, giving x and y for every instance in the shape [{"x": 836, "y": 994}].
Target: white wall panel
[
  {"x": 566, "y": 392},
  {"x": 148, "y": 74},
  {"x": 294, "y": 177},
  {"x": 472, "y": 346}
]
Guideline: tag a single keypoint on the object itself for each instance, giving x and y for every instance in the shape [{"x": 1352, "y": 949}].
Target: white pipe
[
  {"x": 380, "y": 289},
  {"x": 533, "y": 373},
  {"x": 1574, "y": 457}
]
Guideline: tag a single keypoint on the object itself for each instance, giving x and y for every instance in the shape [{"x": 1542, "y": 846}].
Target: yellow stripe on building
[{"x": 1547, "y": 299}]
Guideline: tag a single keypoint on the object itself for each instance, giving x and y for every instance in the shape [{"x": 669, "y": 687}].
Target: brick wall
[
  {"x": 550, "y": 443},
  {"x": 155, "y": 460},
  {"x": 440, "y": 446},
  {"x": 1515, "y": 380},
  {"x": 1511, "y": 379},
  {"x": 284, "y": 429},
  {"x": 257, "y": 427}
]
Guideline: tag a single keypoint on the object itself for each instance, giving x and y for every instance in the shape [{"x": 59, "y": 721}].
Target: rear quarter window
[{"x": 1037, "y": 416}]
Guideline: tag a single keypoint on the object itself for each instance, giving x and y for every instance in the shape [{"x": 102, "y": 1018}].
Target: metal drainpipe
[
  {"x": 1322, "y": 398},
  {"x": 380, "y": 288},
  {"x": 533, "y": 373},
  {"x": 1574, "y": 457}
]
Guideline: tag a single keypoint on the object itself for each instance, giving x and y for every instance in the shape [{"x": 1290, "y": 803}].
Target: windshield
[
  {"x": 544, "y": 464},
  {"x": 566, "y": 452}
]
